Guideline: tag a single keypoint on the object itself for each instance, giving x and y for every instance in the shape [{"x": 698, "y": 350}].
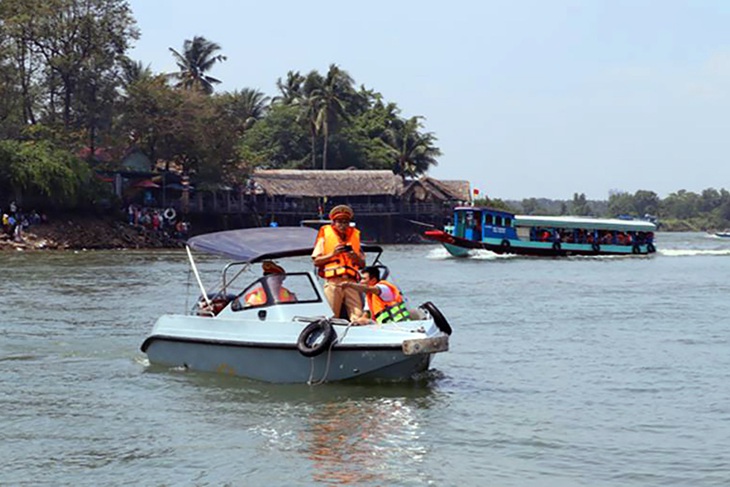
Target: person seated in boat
[
  {"x": 385, "y": 301},
  {"x": 275, "y": 276}
]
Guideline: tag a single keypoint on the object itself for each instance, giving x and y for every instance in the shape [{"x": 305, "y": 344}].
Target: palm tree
[
  {"x": 413, "y": 152},
  {"x": 329, "y": 100},
  {"x": 246, "y": 106},
  {"x": 133, "y": 71},
  {"x": 198, "y": 58},
  {"x": 309, "y": 107},
  {"x": 291, "y": 89}
]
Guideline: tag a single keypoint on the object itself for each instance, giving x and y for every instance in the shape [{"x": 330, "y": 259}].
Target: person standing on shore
[{"x": 338, "y": 257}]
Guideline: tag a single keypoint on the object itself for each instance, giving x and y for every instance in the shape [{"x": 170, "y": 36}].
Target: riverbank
[{"x": 88, "y": 232}]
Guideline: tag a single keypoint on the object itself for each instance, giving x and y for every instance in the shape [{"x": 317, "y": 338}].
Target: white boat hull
[
  {"x": 286, "y": 365},
  {"x": 270, "y": 353}
]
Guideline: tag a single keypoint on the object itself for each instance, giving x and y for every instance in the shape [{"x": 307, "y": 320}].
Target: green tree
[
  {"x": 531, "y": 206},
  {"x": 277, "y": 141},
  {"x": 328, "y": 104},
  {"x": 243, "y": 108},
  {"x": 620, "y": 203},
  {"x": 290, "y": 89},
  {"x": 68, "y": 54},
  {"x": 682, "y": 205},
  {"x": 36, "y": 169},
  {"x": 197, "y": 58},
  {"x": 709, "y": 200},
  {"x": 411, "y": 152},
  {"x": 580, "y": 206},
  {"x": 646, "y": 203}
]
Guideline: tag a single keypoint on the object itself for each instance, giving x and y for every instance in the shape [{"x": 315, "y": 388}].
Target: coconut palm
[
  {"x": 133, "y": 71},
  {"x": 246, "y": 106},
  {"x": 329, "y": 101},
  {"x": 198, "y": 57},
  {"x": 308, "y": 104},
  {"x": 413, "y": 152},
  {"x": 290, "y": 89}
]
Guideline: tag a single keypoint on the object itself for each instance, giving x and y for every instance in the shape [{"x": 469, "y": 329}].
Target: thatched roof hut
[
  {"x": 430, "y": 189},
  {"x": 319, "y": 183}
]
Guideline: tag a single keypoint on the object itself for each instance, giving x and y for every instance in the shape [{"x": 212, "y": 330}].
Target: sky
[{"x": 527, "y": 98}]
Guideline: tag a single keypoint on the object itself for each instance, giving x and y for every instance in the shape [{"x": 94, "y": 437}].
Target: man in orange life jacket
[
  {"x": 275, "y": 276},
  {"x": 338, "y": 257},
  {"x": 384, "y": 299}
]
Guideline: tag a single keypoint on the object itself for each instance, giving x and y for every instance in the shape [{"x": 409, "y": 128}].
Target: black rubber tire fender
[
  {"x": 437, "y": 316},
  {"x": 636, "y": 249},
  {"x": 557, "y": 247},
  {"x": 315, "y": 338},
  {"x": 650, "y": 248},
  {"x": 596, "y": 247}
]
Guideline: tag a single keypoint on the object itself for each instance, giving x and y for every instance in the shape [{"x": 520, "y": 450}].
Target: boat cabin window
[{"x": 277, "y": 289}]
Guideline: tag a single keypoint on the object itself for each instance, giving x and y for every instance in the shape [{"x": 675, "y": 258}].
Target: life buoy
[
  {"x": 556, "y": 247},
  {"x": 315, "y": 338},
  {"x": 636, "y": 249},
  {"x": 438, "y": 318},
  {"x": 596, "y": 248},
  {"x": 170, "y": 213},
  {"x": 505, "y": 245},
  {"x": 650, "y": 248}
]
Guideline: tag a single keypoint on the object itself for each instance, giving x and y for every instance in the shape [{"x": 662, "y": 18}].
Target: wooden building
[{"x": 387, "y": 207}]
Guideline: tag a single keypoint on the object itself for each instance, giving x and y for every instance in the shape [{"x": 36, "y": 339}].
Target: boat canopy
[
  {"x": 256, "y": 244},
  {"x": 584, "y": 223}
]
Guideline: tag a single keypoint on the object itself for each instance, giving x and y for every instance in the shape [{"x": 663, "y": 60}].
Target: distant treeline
[{"x": 679, "y": 211}]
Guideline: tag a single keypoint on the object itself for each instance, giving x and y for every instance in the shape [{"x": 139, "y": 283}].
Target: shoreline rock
[{"x": 91, "y": 233}]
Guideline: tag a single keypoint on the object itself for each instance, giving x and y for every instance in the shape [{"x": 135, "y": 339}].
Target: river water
[{"x": 572, "y": 372}]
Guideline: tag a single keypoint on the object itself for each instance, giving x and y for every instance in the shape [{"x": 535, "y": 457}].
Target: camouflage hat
[{"x": 341, "y": 211}]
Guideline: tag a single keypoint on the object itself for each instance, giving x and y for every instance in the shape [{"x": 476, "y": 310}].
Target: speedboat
[{"x": 293, "y": 340}]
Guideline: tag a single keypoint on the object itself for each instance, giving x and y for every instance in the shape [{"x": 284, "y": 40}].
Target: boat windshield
[{"x": 296, "y": 287}]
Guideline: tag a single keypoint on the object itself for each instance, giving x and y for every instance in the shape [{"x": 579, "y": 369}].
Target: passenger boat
[
  {"x": 723, "y": 234},
  {"x": 291, "y": 341},
  {"x": 506, "y": 233}
]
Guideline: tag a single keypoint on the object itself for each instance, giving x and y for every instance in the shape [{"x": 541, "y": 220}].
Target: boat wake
[
  {"x": 692, "y": 252},
  {"x": 474, "y": 254}
]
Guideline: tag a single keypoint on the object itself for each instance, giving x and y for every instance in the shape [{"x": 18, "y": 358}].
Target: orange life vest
[
  {"x": 343, "y": 264},
  {"x": 257, "y": 297},
  {"x": 385, "y": 311}
]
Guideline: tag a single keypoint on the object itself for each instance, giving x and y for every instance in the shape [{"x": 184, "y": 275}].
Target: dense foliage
[{"x": 66, "y": 80}]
